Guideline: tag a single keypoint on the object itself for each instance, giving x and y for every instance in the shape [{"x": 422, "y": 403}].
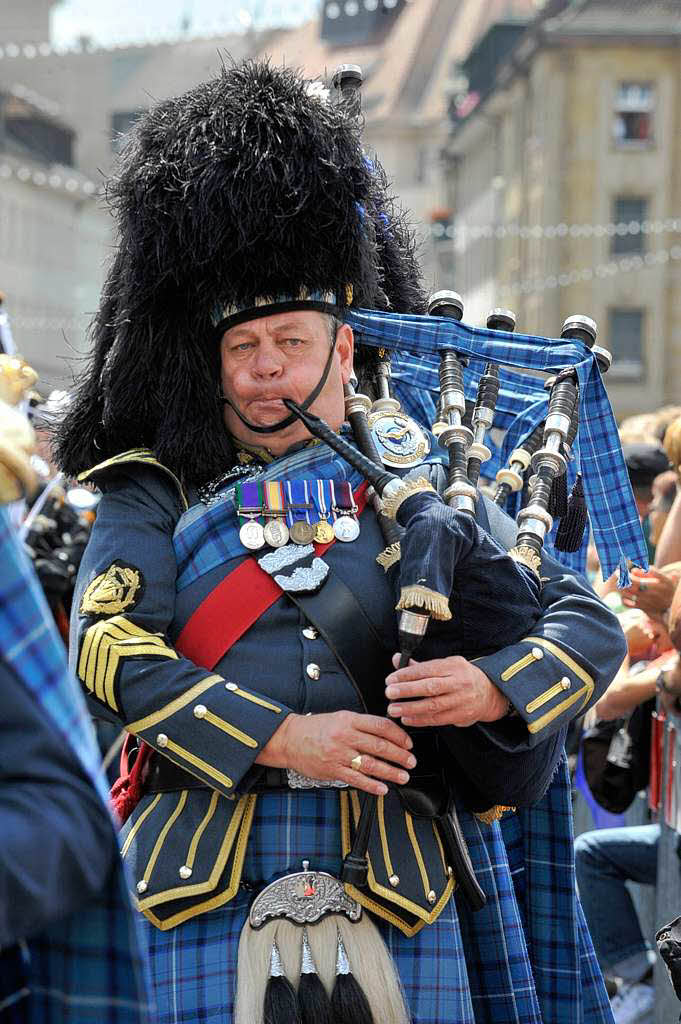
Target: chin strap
[{"x": 292, "y": 417}]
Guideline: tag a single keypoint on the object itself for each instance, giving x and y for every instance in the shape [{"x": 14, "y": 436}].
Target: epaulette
[{"x": 134, "y": 455}]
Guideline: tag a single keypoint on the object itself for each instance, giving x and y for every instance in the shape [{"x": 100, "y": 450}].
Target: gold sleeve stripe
[
  {"x": 563, "y": 656},
  {"x": 546, "y": 696},
  {"x": 163, "y": 834},
  {"x": 254, "y": 700},
  {"x": 174, "y": 706},
  {"x": 518, "y": 666},
  {"x": 559, "y": 709},
  {"x": 196, "y": 838},
  {"x": 198, "y": 763},
  {"x": 138, "y": 824},
  {"x": 380, "y": 807},
  {"x": 104, "y": 645},
  {"x": 231, "y": 730},
  {"x": 417, "y": 853}
]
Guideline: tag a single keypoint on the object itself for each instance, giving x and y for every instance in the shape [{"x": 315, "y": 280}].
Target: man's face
[{"x": 283, "y": 356}]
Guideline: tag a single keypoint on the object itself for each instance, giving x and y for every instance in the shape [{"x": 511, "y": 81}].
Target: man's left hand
[{"x": 445, "y": 691}]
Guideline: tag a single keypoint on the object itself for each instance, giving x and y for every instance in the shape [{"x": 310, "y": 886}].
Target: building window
[
  {"x": 628, "y": 214},
  {"x": 625, "y": 333},
  {"x": 634, "y": 109}
]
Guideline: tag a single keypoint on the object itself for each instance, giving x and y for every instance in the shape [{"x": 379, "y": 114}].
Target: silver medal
[
  {"x": 276, "y": 533},
  {"x": 346, "y": 528},
  {"x": 252, "y": 535}
]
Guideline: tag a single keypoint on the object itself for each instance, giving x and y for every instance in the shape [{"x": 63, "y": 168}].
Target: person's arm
[
  {"x": 553, "y": 674},
  {"x": 626, "y": 692},
  {"x": 57, "y": 843},
  {"x": 668, "y": 548}
]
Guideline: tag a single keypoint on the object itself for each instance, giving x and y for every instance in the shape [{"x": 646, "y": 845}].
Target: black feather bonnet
[{"x": 251, "y": 185}]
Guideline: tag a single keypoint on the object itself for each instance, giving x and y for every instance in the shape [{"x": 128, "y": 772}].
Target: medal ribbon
[
  {"x": 344, "y": 500},
  {"x": 249, "y": 495},
  {"x": 273, "y": 498},
  {"x": 323, "y": 499},
  {"x": 298, "y": 494}
]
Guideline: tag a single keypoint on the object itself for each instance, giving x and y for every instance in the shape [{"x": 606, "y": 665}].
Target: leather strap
[{"x": 352, "y": 638}]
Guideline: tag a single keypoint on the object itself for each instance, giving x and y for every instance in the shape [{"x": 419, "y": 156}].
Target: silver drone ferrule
[
  {"x": 535, "y": 520},
  {"x": 413, "y": 623}
]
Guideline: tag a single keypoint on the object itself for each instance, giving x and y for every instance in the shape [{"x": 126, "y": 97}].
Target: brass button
[
  {"x": 185, "y": 872},
  {"x": 565, "y": 683},
  {"x": 162, "y": 739},
  {"x": 141, "y": 887},
  {"x": 537, "y": 653},
  {"x": 200, "y": 711},
  {"x": 394, "y": 881},
  {"x": 313, "y": 671},
  {"x": 310, "y": 633},
  {"x": 432, "y": 896}
]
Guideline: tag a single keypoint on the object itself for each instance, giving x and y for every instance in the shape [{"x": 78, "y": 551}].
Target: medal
[
  {"x": 249, "y": 510},
  {"x": 346, "y": 528},
  {"x": 299, "y": 506},
  {"x": 276, "y": 533},
  {"x": 323, "y": 531},
  {"x": 276, "y": 530},
  {"x": 345, "y": 525},
  {"x": 302, "y": 532},
  {"x": 252, "y": 535}
]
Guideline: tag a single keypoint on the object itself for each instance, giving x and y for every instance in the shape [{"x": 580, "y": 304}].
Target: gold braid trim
[
  {"x": 424, "y": 597},
  {"x": 409, "y": 487},
  {"x": 493, "y": 814},
  {"x": 526, "y": 556},
  {"x": 388, "y": 557}
]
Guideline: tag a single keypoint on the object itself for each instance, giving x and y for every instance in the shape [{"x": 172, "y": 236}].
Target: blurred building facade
[{"x": 563, "y": 166}]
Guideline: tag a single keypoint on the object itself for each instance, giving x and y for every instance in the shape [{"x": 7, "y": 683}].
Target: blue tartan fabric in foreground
[
  {"x": 418, "y": 339},
  {"x": 89, "y": 967},
  {"x": 520, "y": 960}
]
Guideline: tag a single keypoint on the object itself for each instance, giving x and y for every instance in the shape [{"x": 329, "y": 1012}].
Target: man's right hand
[{"x": 322, "y": 747}]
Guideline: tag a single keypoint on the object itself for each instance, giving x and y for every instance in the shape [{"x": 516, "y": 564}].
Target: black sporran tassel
[
  {"x": 281, "y": 1003},
  {"x": 313, "y": 1001},
  {"x": 348, "y": 1002},
  {"x": 572, "y": 525}
]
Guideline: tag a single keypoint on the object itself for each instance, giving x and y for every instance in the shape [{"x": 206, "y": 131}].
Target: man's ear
[{"x": 345, "y": 346}]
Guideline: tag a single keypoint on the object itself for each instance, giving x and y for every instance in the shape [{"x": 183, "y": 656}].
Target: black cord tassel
[
  {"x": 315, "y": 1007},
  {"x": 558, "y": 502},
  {"x": 571, "y": 530},
  {"x": 348, "y": 1002},
  {"x": 281, "y": 1003}
]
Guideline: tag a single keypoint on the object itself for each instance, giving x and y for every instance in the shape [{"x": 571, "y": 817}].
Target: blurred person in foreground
[
  {"x": 252, "y": 747},
  {"x": 69, "y": 951}
]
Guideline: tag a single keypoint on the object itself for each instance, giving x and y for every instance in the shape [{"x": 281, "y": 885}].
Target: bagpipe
[{"x": 437, "y": 553}]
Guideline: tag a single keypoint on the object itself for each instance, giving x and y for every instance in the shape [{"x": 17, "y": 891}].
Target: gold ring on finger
[{"x": 356, "y": 763}]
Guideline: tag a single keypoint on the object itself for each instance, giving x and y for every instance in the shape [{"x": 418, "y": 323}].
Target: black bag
[{"x": 616, "y": 758}]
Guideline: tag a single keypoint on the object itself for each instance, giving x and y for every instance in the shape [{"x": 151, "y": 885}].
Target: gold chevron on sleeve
[{"x": 104, "y": 646}]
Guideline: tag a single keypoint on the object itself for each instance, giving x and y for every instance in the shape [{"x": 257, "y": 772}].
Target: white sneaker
[{"x": 634, "y": 1004}]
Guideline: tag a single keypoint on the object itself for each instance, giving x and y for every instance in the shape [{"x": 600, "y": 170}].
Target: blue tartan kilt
[{"x": 466, "y": 968}]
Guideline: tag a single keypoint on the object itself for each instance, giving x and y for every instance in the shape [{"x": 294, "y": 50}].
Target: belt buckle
[{"x": 298, "y": 781}]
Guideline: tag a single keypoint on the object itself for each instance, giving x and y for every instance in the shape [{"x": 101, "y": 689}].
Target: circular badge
[
  {"x": 346, "y": 529},
  {"x": 302, "y": 532},
  {"x": 399, "y": 439},
  {"x": 252, "y": 535},
  {"x": 276, "y": 533},
  {"x": 323, "y": 532}
]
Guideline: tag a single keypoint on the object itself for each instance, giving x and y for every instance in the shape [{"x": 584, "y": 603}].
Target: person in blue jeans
[{"x": 605, "y": 860}]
